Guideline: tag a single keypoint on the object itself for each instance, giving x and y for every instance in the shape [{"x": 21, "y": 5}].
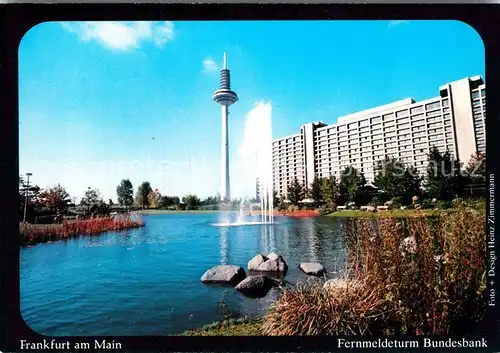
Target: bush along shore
[
  {"x": 39, "y": 233},
  {"x": 405, "y": 276}
]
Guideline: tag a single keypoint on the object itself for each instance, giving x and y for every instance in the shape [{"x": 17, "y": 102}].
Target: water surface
[{"x": 147, "y": 281}]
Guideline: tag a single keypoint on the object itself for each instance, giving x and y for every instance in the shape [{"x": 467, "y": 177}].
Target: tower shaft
[
  {"x": 225, "y": 97},
  {"x": 225, "y": 186}
]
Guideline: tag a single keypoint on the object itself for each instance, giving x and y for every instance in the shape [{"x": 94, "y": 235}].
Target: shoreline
[
  {"x": 242, "y": 326},
  {"x": 314, "y": 213},
  {"x": 277, "y": 213},
  {"x": 388, "y": 213},
  {"x": 153, "y": 211}
]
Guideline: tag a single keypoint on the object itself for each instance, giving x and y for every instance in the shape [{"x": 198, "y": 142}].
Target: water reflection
[
  {"x": 267, "y": 239},
  {"x": 224, "y": 245},
  {"x": 310, "y": 229},
  {"x": 297, "y": 240}
]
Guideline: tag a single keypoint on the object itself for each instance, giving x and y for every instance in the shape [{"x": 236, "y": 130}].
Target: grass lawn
[
  {"x": 231, "y": 327},
  {"x": 391, "y": 213}
]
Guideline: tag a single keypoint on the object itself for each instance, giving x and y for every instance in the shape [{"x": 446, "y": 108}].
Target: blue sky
[{"x": 100, "y": 102}]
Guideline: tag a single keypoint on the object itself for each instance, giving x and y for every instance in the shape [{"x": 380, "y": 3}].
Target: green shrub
[
  {"x": 325, "y": 210},
  {"x": 427, "y": 204},
  {"x": 478, "y": 204},
  {"x": 376, "y": 201},
  {"x": 444, "y": 205}
]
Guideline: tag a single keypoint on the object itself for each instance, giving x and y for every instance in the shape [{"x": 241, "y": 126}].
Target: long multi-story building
[{"x": 406, "y": 129}]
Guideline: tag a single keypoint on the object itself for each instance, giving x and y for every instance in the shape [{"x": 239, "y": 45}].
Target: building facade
[
  {"x": 407, "y": 130},
  {"x": 257, "y": 189}
]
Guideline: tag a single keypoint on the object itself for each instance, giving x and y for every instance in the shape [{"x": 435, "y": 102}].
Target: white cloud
[
  {"x": 210, "y": 65},
  {"x": 122, "y": 36},
  {"x": 395, "y": 23}
]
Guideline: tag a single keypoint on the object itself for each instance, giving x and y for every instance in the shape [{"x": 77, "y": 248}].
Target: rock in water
[
  {"x": 274, "y": 265},
  {"x": 256, "y": 286},
  {"x": 273, "y": 256},
  {"x": 254, "y": 263},
  {"x": 312, "y": 268},
  {"x": 229, "y": 274}
]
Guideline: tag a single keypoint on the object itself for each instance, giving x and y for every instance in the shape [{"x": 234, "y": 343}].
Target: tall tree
[
  {"x": 476, "y": 168},
  {"x": 142, "y": 194},
  {"x": 176, "y": 201},
  {"x": 169, "y": 201},
  {"x": 31, "y": 191},
  {"x": 276, "y": 199},
  {"x": 31, "y": 194},
  {"x": 396, "y": 179},
  {"x": 192, "y": 202},
  {"x": 316, "y": 192},
  {"x": 330, "y": 190},
  {"x": 352, "y": 184},
  {"x": 295, "y": 192},
  {"x": 476, "y": 174},
  {"x": 154, "y": 199},
  {"x": 444, "y": 178},
  {"x": 55, "y": 198},
  {"x": 125, "y": 193},
  {"x": 211, "y": 200},
  {"x": 91, "y": 197}
]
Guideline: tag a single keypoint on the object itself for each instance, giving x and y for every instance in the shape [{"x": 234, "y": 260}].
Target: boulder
[
  {"x": 273, "y": 256},
  {"x": 312, "y": 268},
  {"x": 279, "y": 277},
  {"x": 254, "y": 263},
  {"x": 228, "y": 274},
  {"x": 273, "y": 265},
  {"x": 256, "y": 286}
]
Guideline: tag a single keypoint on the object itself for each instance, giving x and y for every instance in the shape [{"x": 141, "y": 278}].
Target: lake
[{"x": 146, "y": 281}]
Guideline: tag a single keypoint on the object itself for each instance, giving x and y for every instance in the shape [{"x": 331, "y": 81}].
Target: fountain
[{"x": 256, "y": 152}]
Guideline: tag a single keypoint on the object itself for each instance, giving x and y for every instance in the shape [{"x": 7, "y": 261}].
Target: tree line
[
  {"x": 52, "y": 203},
  {"x": 145, "y": 197},
  {"x": 444, "y": 180}
]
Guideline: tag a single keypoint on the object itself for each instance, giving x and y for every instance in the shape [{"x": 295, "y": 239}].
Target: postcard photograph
[{"x": 253, "y": 178}]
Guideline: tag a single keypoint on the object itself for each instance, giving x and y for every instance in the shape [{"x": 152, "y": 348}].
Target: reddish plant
[{"x": 35, "y": 233}]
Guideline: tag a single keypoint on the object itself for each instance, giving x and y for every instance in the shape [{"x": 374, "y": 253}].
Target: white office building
[{"x": 454, "y": 120}]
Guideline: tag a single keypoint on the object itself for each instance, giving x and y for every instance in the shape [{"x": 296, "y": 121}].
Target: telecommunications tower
[{"x": 225, "y": 97}]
